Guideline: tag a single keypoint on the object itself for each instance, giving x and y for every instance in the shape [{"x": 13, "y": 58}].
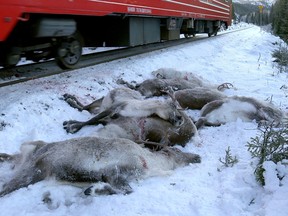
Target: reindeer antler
[
  {"x": 169, "y": 91},
  {"x": 157, "y": 146}
]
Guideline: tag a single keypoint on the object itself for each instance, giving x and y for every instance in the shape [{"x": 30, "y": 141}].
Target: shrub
[
  {"x": 229, "y": 160},
  {"x": 270, "y": 145},
  {"x": 281, "y": 58}
]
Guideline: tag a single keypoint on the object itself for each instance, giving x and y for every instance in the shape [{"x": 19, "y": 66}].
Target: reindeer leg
[
  {"x": 104, "y": 188},
  {"x": 111, "y": 181},
  {"x": 93, "y": 106},
  {"x": 73, "y": 102},
  {"x": 100, "y": 188},
  {"x": 201, "y": 122},
  {"x": 123, "y": 82},
  {"x": 73, "y": 126}
]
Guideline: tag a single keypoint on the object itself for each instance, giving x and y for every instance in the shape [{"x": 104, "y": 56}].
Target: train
[{"x": 44, "y": 29}]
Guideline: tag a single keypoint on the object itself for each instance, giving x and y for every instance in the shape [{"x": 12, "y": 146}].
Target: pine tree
[
  {"x": 284, "y": 21},
  {"x": 280, "y": 19}
]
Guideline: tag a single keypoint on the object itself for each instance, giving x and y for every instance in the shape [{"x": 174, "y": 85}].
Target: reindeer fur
[
  {"x": 151, "y": 129},
  {"x": 128, "y": 103},
  {"x": 109, "y": 163},
  {"x": 197, "y": 97},
  {"x": 230, "y": 109}
]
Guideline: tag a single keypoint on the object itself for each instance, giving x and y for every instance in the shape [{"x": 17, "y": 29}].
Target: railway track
[{"x": 33, "y": 71}]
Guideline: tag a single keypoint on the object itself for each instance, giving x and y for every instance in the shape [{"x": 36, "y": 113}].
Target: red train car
[{"x": 42, "y": 29}]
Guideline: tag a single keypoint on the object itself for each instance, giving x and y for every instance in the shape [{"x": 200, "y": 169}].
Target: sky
[{"x": 35, "y": 110}]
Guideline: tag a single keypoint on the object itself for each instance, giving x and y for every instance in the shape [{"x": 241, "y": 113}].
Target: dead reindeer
[
  {"x": 170, "y": 78},
  {"x": 167, "y": 78},
  {"x": 151, "y": 131},
  {"x": 170, "y": 73},
  {"x": 147, "y": 129},
  {"x": 155, "y": 87},
  {"x": 119, "y": 102},
  {"x": 230, "y": 109},
  {"x": 108, "y": 163},
  {"x": 191, "y": 96},
  {"x": 197, "y": 97},
  {"x": 113, "y": 97}
]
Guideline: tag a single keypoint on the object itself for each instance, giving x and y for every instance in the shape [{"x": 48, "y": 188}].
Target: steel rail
[{"x": 23, "y": 73}]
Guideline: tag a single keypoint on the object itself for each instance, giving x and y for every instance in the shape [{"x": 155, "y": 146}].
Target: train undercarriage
[{"x": 43, "y": 37}]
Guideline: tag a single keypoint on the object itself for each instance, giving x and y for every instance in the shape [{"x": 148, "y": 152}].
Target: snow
[{"x": 35, "y": 110}]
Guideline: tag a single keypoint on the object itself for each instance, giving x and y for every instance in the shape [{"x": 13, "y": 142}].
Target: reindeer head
[
  {"x": 151, "y": 87},
  {"x": 180, "y": 157}
]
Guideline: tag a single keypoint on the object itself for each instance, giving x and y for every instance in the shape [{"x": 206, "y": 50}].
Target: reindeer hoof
[
  {"x": 68, "y": 97},
  {"x": 72, "y": 126},
  {"x": 72, "y": 101},
  {"x": 5, "y": 157},
  {"x": 196, "y": 158},
  {"x": 100, "y": 188},
  {"x": 225, "y": 86}
]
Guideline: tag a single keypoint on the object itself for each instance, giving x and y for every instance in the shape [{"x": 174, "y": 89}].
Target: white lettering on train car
[{"x": 139, "y": 10}]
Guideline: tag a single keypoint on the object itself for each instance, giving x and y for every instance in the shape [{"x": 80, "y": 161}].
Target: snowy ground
[{"x": 35, "y": 111}]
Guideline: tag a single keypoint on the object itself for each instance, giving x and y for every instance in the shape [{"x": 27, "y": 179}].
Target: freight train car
[{"x": 43, "y": 29}]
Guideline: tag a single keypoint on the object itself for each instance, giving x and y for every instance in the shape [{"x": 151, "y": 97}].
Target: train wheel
[
  {"x": 12, "y": 57},
  {"x": 69, "y": 52}
]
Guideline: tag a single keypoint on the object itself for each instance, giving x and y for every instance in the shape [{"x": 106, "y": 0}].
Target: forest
[
  {"x": 279, "y": 19},
  {"x": 264, "y": 14}
]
